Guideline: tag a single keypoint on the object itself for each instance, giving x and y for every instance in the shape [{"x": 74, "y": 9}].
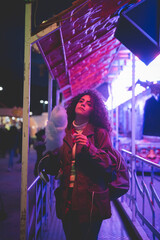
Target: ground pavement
[{"x": 10, "y": 185}]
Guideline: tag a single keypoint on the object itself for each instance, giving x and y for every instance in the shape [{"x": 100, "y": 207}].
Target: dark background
[{"x": 12, "y": 52}]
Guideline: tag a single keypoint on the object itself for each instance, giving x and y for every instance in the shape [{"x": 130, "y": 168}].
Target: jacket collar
[{"x": 89, "y": 130}]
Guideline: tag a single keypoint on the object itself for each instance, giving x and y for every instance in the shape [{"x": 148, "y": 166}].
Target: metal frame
[{"x": 146, "y": 203}]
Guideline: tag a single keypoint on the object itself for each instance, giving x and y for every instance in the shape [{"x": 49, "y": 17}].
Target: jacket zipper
[{"x": 91, "y": 206}]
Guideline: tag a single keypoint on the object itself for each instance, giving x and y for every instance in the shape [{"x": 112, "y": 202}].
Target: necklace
[{"x": 79, "y": 127}]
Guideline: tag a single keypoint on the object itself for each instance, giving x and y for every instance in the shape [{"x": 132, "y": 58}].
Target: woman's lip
[{"x": 81, "y": 108}]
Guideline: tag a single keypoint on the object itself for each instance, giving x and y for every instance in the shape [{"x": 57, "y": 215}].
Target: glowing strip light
[{"x": 32, "y": 184}]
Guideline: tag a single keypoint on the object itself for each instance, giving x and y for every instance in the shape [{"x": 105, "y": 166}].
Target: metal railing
[
  {"x": 143, "y": 197},
  {"x": 39, "y": 207}
]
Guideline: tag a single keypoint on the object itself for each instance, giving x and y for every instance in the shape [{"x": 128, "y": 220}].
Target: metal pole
[
  {"x": 133, "y": 104},
  {"x": 117, "y": 122},
  {"x": 111, "y": 115},
  {"x": 133, "y": 136},
  {"x": 50, "y": 87},
  {"x": 43, "y": 106},
  {"x": 25, "y": 135},
  {"x": 49, "y": 186}
]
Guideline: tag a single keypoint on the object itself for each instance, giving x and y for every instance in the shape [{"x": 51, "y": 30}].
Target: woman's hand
[{"x": 80, "y": 139}]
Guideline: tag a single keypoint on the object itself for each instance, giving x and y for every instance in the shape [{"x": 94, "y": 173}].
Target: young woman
[{"x": 86, "y": 162}]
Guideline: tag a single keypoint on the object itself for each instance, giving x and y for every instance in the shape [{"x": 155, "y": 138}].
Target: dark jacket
[{"x": 94, "y": 170}]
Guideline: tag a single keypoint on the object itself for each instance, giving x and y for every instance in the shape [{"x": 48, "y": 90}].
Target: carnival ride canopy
[{"x": 82, "y": 52}]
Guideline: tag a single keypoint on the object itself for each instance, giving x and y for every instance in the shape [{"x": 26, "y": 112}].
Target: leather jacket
[{"x": 95, "y": 167}]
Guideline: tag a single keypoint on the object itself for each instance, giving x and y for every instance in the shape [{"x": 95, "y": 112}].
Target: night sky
[{"x": 12, "y": 52}]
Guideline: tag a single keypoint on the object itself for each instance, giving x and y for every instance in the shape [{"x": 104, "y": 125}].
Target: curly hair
[{"x": 99, "y": 116}]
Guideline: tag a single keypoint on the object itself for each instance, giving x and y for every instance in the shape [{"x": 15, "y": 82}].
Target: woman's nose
[{"x": 83, "y": 103}]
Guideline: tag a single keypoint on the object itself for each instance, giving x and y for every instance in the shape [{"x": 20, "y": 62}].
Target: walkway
[
  {"x": 10, "y": 187},
  {"x": 111, "y": 229}
]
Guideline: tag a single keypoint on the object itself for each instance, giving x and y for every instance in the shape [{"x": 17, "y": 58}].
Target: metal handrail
[
  {"x": 143, "y": 193},
  {"x": 38, "y": 209},
  {"x": 30, "y": 212}
]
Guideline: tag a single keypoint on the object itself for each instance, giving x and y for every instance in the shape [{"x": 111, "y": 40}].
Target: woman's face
[{"x": 84, "y": 106}]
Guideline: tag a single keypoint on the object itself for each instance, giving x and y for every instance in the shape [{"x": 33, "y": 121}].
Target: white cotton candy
[{"x": 55, "y": 129}]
